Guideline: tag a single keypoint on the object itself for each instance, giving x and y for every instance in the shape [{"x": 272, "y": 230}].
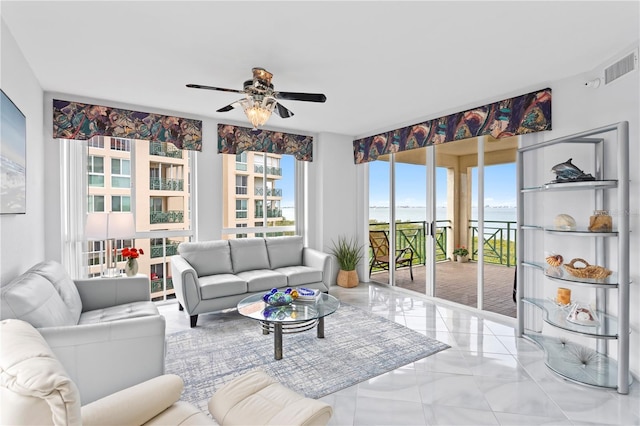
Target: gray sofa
[
  {"x": 106, "y": 332},
  {"x": 210, "y": 276}
]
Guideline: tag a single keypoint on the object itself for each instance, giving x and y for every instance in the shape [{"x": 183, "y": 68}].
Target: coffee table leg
[
  {"x": 321, "y": 328},
  {"x": 277, "y": 340}
]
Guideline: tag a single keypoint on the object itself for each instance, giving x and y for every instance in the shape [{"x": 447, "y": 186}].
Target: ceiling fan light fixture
[{"x": 258, "y": 112}]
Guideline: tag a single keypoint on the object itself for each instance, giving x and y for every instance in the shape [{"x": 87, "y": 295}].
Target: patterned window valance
[
  {"x": 236, "y": 139},
  {"x": 515, "y": 116},
  {"x": 73, "y": 120}
]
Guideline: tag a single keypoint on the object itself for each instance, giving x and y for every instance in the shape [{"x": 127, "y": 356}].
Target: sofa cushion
[
  {"x": 284, "y": 251},
  {"x": 119, "y": 312},
  {"x": 32, "y": 298},
  {"x": 64, "y": 285},
  {"x": 248, "y": 254},
  {"x": 221, "y": 285},
  {"x": 263, "y": 279},
  {"x": 300, "y": 275},
  {"x": 207, "y": 257}
]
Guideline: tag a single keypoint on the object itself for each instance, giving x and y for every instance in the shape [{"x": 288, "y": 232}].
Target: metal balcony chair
[{"x": 380, "y": 247}]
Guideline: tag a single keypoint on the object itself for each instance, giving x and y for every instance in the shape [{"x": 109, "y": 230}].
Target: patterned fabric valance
[
  {"x": 515, "y": 116},
  {"x": 73, "y": 120},
  {"x": 236, "y": 139}
]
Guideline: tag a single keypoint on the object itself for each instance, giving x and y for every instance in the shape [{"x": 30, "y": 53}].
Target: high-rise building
[
  {"x": 249, "y": 190},
  {"x": 154, "y": 184}
]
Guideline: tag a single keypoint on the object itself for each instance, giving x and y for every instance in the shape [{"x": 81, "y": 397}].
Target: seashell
[
  {"x": 555, "y": 260},
  {"x": 565, "y": 222}
]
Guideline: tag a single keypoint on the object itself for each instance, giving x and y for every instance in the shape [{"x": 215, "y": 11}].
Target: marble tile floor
[{"x": 487, "y": 377}]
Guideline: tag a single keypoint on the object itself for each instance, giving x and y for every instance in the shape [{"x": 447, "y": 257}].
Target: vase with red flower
[{"x": 131, "y": 254}]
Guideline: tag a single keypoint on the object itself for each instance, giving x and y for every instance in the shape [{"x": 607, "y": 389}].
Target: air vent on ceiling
[{"x": 623, "y": 66}]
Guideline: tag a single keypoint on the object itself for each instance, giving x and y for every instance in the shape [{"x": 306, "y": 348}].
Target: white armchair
[
  {"x": 36, "y": 389},
  {"x": 104, "y": 331}
]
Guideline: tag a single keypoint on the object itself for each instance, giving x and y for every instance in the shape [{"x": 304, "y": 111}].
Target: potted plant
[
  {"x": 462, "y": 254},
  {"x": 348, "y": 253}
]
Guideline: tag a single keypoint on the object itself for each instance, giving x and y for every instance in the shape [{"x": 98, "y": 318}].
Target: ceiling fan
[{"x": 261, "y": 100}]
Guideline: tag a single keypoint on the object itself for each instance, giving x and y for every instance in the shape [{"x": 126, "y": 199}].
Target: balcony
[
  {"x": 270, "y": 213},
  {"x": 170, "y": 216},
  {"x": 271, "y": 192},
  {"x": 164, "y": 184},
  {"x": 260, "y": 168},
  {"x": 157, "y": 250},
  {"x": 164, "y": 149},
  {"x": 156, "y": 285}
]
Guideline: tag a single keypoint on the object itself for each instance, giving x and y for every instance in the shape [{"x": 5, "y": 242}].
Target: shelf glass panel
[
  {"x": 560, "y": 274},
  {"x": 580, "y": 232},
  {"x": 577, "y": 363},
  {"x": 572, "y": 186},
  {"x": 607, "y": 327}
]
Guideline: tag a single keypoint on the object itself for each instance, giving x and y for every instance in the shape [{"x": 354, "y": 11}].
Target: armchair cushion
[
  {"x": 285, "y": 251},
  {"x": 248, "y": 254},
  {"x": 35, "y": 387},
  {"x": 208, "y": 258},
  {"x": 32, "y": 298},
  {"x": 119, "y": 312},
  {"x": 64, "y": 285}
]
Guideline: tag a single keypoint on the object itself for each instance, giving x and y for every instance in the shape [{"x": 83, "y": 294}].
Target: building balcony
[
  {"x": 170, "y": 216},
  {"x": 164, "y": 149},
  {"x": 156, "y": 285},
  {"x": 164, "y": 184},
  {"x": 260, "y": 168},
  {"x": 171, "y": 250},
  {"x": 270, "y": 213},
  {"x": 271, "y": 192}
]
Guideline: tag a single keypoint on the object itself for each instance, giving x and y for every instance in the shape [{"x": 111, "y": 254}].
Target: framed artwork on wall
[{"x": 13, "y": 158}]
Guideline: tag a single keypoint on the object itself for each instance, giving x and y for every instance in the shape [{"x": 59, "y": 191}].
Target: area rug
[{"x": 357, "y": 346}]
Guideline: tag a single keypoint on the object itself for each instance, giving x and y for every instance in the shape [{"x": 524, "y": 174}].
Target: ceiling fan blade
[
  {"x": 296, "y": 96},
  {"x": 199, "y": 86},
  {"x": 229, "y": 107},
  {"x": 282, "y": 111}
]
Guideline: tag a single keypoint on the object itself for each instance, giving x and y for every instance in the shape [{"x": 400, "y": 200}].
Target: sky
[
  {"x": 411, "y": 188},
  {"x": 500, "y": 184}
]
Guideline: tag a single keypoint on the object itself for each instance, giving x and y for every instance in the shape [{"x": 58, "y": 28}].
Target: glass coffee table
[{"x": 293, "y": 318}]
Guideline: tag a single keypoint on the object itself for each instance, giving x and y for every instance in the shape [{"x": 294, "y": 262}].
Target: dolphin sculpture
[{"x": 568, "y": 172}]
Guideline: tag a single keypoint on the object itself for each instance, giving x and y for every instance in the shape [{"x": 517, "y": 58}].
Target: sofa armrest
[
  {"x": 135, "y": 405},
  {"x": 185, "y": 283},
  {"x": 106, "y": 357},
  {"x": 99, "y": 293},
  {"x": 319, "y": 260}
]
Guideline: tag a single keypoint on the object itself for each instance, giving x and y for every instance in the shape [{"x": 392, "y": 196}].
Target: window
[
  {"x": 120, "y": 173},
  {"x": 241, "y": 209},
  {"x": 162, "y": 221},
  {"x": 118, "y": 144},
  {"x": 241, "y": 184},
  {"x": 96, "y": 203},
  {"x": 95, "y": 166},
  {"x": 241, "y": 161},
  {"x": 120, "y": 203},
  {"x": 266, "y": 195},
  {"x": 241, "y": 225}
]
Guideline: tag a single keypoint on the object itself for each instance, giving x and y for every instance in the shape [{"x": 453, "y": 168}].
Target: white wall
[
  {"x": 22, "y": 242},
  {"x": 578, "y": 108}
]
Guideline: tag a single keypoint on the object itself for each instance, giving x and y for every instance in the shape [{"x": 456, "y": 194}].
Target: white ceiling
[{"x": 380, "y": 64}]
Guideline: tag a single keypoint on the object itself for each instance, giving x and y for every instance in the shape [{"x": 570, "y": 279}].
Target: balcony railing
[
  {"x": 170, "y": 216},
  {"x": 164, "y": 149},
  {"x": 157, "y": 250},
  {"x": 156, "y": 285},
  {"x": 270, "y": 213},
  {"x": 260, "y": 168},
  {"x": 499, "y": 242},
  {"x": 412, "y": 234},
  {"x": 271, "y": 192},
  {"x": 164, "y": 184}
]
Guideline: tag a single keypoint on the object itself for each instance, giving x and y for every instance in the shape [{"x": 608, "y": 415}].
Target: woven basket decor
[{"x": 586, "y": 271}]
